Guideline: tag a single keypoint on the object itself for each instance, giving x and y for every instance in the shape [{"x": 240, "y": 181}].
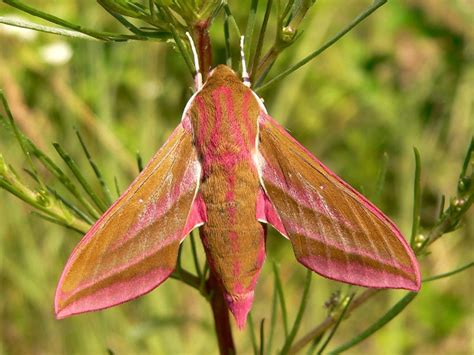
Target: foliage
[{"x": 404, "y": 78}]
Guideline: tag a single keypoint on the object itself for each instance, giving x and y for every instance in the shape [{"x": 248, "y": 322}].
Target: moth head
[{"x": 222, "y": 74}]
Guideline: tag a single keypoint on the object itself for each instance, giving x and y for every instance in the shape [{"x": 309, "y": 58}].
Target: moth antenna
[
  {"x": 245, "y": 74},
  {"x": 198, "y": 78}
]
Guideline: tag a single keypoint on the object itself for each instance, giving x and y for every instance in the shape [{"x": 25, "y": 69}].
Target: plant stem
[
  {"x": 270, "y": 56},
  {"x": 47, "y": 29},
  {"x": 299, "y": 316},
  {"x": 416, "y": 198},
  {"x": 330, "y": 321},
  {"x": 387, "y": 317},
  {"x": 336, "y": 326},
  {"x": 258, "y": 49},
  {"x": 203, "y": 44},
  {"x": 104, "y": 36},
  {"x": 220, "y": 313},
  {"x": 450, "y": 273}
]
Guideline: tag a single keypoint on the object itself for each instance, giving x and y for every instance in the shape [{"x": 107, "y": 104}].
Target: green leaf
[
  {"x": 416, "y": 199},
  {"x": 281, "y": 297},
  {"x": 450, "y": 273},
  {"x": 304, "y": 300},
  {"x": 375, "y": 5},
  {"x": 336, "y": 326},
  {"x": 387, "y": 317},
  {"x": 80, "y": 178}
]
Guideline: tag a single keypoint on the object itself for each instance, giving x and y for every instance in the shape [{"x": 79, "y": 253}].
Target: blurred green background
[{"x": 403, "y": 78}]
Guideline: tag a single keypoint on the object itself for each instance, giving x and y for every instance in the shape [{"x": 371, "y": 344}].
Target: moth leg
[
  {"x": 245, "y": 74},
  {"x": 198, "y": 77}
]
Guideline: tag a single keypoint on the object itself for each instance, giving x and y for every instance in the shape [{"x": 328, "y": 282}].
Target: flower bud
[
  {"x": 288, "y": 34},
  {"x": 464, "y": 184},
  {"x": 42, "y": 197}
]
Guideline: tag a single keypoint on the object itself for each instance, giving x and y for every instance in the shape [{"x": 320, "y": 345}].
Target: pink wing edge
[
  {"x": 267, "y": 213},
  {"x": 197, "y": 216}
]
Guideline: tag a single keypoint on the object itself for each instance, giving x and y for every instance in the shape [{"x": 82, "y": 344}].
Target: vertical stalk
[
  {"x": 203, "y": 44},
  {"x": 220, "y": 313}
]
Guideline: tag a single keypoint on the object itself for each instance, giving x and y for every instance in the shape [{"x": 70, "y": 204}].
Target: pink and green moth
[{"x": 230, "y": 169}]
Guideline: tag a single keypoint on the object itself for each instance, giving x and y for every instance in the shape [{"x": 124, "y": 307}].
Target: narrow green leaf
[
  {"x": 80, "y": 178},
  {"x": 21, "y": 142},
  {"x": 468, "y": 159},
  {"x": 272, "y": 318},
  {"x": 249, "y": 30},
  {"x": 105, "y": 188},
  {"x": 179, "y": 43},
  {"x": 202, "y": 282},
  {"x": 441, "y": 206},
  {"x": 228, "y": 54},
  {"x": 56, "y": 221},
  {"x": 56, "y": 172},
  {"x": 46, "y": 29},
  {"x": 261, "y": 37},
  {"x": 387, "y": 317},
  {"x": 139, "y": 162},
  {"x": 450, "y": 273},
  {"x": 336, "y": 326},
  {"x": 74, "y": 209},
  {"x": 262, "y": 337},
  {"x": 315, "y": 343},
  {"x": 375, "y": 5},
  {"x": 117, "y": 188},
  {"x": 162, "y": 35},
  {"x": 281, "y": 297},
  {"x": 416, "y": 198},
  {"x": 195, "y": 255},
  {"x": 186, "y": 277},
  {"x": 382, "y": 175},
  {"x": 304, "y": 300},
  {"x": 104, "y": 36},
  {"x": 231, "y": 19},
  {"x": 11, "y": 189},
  {"x": 253, "y": 338},
  {"x": 285, "y": 13}
]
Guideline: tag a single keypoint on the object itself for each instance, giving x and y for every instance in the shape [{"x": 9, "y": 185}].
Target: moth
[{"x": 230, "y": 169}]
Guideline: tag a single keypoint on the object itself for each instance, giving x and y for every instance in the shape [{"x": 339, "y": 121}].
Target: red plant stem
[
  {"x": 221, "y": 317},
  {"x": 203, "y": 44}
]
